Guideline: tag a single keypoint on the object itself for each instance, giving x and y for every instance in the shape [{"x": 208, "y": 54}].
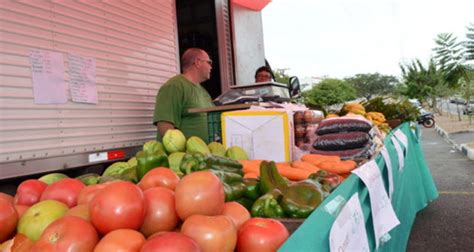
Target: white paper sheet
[
  {"x": 348, "y": 231},
  {"x": 82, "y": 79},
  {"x": 383, "y": 215},
  {"x": 402, "y": 138},
  {"x": 400, "y": 154},
  {"x": 47, "y": 74},
  {"x": 388, "y": 163}
]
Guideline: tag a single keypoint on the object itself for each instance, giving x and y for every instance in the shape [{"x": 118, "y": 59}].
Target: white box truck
[{"x": 132, "y": 48}]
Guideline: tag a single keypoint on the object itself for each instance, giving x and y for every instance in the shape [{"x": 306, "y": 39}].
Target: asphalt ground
[
  {"x": 447, "y": 223},
  {"x": 462, "y": 137}
]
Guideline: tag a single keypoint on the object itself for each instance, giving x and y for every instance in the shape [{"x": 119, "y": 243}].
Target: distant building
[{"x": 308, "y": 82}]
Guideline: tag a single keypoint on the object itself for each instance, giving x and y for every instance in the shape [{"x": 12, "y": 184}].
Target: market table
[{"x": 413, "y": 190}]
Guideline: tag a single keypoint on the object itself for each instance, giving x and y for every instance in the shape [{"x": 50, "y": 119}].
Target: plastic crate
[{"x": 214, "y": 127}]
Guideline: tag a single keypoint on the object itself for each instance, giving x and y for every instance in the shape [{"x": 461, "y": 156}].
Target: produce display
[
  {"x": 186, "y": 195},
  {"x": 143, "y": 205}
]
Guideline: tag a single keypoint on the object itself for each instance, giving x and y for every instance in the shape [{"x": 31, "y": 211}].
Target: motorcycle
[{"x": 426, "y": 119}]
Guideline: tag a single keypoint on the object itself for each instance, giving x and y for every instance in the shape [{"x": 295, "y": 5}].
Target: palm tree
[
  {"x": 470, "y": 42},
  {"x": 422, "y": 83},
  {"x": 451, "y": 57}
]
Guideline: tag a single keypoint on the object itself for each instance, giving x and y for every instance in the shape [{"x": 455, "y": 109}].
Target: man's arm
[{"x": 163, "y": 127}]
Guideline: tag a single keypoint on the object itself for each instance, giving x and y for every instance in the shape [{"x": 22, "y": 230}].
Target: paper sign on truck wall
[{"x": 263, "y": 134}]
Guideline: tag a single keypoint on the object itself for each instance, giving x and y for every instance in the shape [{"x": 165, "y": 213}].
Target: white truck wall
[
  {"x": 249, "y": 51},
  {"x": 135, "y": 47}
]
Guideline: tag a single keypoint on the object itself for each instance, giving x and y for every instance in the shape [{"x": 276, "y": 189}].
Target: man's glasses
[{"x": 209, "y": 61}]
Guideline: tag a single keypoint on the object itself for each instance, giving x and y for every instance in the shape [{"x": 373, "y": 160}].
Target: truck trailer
[{"x": 126, "y": 50}]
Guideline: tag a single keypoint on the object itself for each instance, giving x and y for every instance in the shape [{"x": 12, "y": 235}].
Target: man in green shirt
[{"x": 182, "y": 92}]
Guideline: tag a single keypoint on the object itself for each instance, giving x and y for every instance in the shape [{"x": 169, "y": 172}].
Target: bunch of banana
[
  {"x": 354, "y": 108},
  {"x": 378, "y": 119}
]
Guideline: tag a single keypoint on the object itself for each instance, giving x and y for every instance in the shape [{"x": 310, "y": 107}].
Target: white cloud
[{"x": 341, "y": 38}]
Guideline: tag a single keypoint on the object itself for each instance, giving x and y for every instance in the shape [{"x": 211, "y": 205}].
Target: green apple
[
  {"x": 35, "y": 220},
  {"x": 52, "y": 177}
]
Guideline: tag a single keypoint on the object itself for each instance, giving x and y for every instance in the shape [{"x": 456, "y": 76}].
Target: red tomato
[
  {"x": 236, "y": 212},
  {"x": 118, "y": 205},
  {"x": 161, "y": 176},
  {"x": 161, "y": 213},
  {"x": 65, "y": 190},
  {"x": 212, "y": 233},
  {"x": 21, "y": 209},
  {"x": 123, "y": 240},
  {"x": 68, "y": 233},
  {"x": 29, "y": 192},
  {"x": 81, "y": 211},
  {"x": 261, "y": 234},
  {"x": 8, "y": 219},
  {"x": 6, "y": 197},
  {"x": 199, "y": 193},
  {"x": 170, "y": 242},
  {"x": 88, "y": 192},
  {"x": 19, "y": 243}
]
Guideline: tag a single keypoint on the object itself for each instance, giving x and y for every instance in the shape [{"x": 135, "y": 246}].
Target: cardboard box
[{"x": 263, "y": 134}]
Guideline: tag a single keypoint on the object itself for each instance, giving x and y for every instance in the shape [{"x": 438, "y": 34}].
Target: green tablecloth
[{"x": 414, "y": 188}]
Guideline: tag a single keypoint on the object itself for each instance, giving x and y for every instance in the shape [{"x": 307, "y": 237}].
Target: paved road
[
  {"x": 447, "y": 224},
  {"x": 462, "y": 137}
]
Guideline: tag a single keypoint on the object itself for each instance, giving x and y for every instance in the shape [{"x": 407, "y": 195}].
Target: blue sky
[{"x": 340, "y": 38}]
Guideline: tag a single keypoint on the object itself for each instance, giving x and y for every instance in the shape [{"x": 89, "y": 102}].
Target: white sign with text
[
  {"x": 383, "y": 215},
  {"x": 348, "y": 231},
  {"x": 388, "y": 163}
]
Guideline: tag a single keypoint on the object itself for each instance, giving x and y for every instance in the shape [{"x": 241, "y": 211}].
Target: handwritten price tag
[{"x": 383, "y": 215}]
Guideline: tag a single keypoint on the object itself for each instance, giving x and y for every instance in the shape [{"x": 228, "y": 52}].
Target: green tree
[
  {"x": 470, "y": 43},
  {"x": 453, "y": 57},
  {"x": 368, "y": 85},
  {"x": 422, "y": 82},
  {"x": 449, "y": 56},
  {"x": 329, "y": 92},
  {"x": 281, "y": 76}
]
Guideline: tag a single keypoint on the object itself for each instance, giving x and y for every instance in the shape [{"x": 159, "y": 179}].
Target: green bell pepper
[
  {"x": 268, "y": 205},
  {"x": 301, "y": 198},
  {"x": 328, "y": 180},
  {"x": 227, "y": 177},
  {"x": 252, "y": 186},
  {"x": 147, "y": 162},
  {"x": 270, "y": 178},
  {"x": 234, "y": 191},
  {"x": 246, "y": 202},
  {"x": 192, "y": 162}
]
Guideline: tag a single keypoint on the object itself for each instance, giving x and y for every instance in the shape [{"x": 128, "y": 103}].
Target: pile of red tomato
[{"x": 161, "y": 213}]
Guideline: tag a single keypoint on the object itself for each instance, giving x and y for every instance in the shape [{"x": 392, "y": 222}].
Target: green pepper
[
  {"x": 199, "y": 156},
  {"x": 268, "y": 205},
  {"x": 225, "y": 168},
  {"x": 270, "y": 178},
  {"x": 234, "y": 191},
  {"x": 222, "y": 161},
  {"x": 252, "y": 186},
  {"x": 328, "y": 180},
  {"x": 246, "y": 202},
  {"x": 148, "y": 161},
  {"x": 227, "y": 177},
  {"x": 301, "y": 198},
  {"x": 192, "y": 162}
]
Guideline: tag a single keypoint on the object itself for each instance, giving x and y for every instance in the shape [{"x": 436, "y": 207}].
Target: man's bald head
[{"x": 190, "y": 55}]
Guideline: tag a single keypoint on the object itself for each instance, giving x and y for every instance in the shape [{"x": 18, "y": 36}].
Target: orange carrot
[
  {"x": 315, "y": 159},
  {"x": 341, "y": 167},
  {"x": 251, "y": 175},
  {"x": 347, "y": 166},
  {"x": 305, "y": 166},
  {"x": 250, "y": 165},
  {"x": 293, "y": 173},
  {"x": 283, "y": 164}
]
